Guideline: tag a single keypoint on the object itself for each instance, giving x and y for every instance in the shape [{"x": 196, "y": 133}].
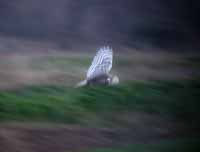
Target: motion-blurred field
[
  {"x": 103, "y": 106},
  {"x": 68, "y": 68},
  {"x": 157, "y": 99}
]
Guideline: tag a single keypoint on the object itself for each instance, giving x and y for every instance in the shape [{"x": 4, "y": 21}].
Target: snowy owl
[{"x": 98, "y": 72}]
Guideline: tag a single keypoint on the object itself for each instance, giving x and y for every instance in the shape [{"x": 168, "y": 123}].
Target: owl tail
[{"x": 81, "y": 84}]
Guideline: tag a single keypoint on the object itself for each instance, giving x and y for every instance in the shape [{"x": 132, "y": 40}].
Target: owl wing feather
[{"x": 101, "y": 64}]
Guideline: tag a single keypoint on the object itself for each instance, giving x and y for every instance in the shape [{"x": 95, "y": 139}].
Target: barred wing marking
[{"x": 101, "y": 64}]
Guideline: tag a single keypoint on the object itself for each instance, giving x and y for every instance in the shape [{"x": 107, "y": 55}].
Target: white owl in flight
[{"x": 98, "y": 72}]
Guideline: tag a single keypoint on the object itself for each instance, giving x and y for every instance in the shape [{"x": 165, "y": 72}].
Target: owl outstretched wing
[{"x": 101, "y": 64}]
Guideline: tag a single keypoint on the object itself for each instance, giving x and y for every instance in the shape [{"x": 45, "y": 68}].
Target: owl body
[
  {"x": 98, "y": 72},
  {"x": 99, "y": 80}
]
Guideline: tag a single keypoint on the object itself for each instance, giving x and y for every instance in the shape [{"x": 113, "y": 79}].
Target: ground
[{"x": 156, "y": 102}]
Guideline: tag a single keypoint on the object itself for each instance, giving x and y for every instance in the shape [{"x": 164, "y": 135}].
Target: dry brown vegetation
[{"x": 69, "y": 68}]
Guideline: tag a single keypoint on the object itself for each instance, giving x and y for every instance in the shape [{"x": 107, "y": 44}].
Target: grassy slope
[
  {"x": 178, "y": 99},
  {"x": 97, "y": 106}
]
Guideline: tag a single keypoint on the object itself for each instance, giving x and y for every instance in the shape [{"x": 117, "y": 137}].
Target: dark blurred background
[{"x": 168, "y": 24}]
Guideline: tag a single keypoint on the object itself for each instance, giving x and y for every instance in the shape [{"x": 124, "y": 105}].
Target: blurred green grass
[{"x": 95, "y": 105}]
